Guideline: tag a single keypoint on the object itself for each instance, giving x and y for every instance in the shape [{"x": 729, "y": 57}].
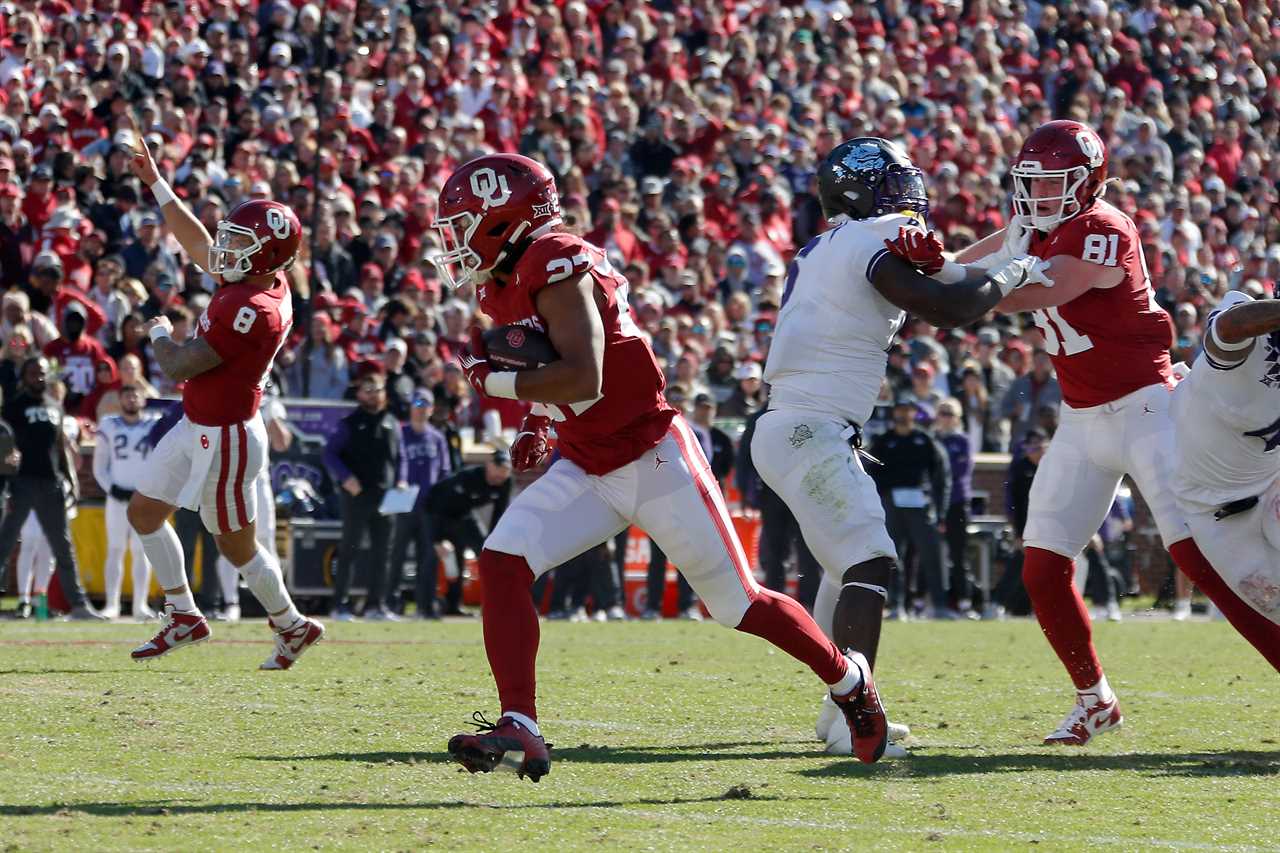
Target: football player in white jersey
[
  {"x": 1226, "y": 419},
  {"x": 119, "y": 456},
  {"x": 279, "y": 438},
  {"x": 847, "y": 293}
]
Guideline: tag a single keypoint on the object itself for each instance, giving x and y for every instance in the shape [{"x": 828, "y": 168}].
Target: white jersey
[
  {"x": 1227, "y": 423},
  {"x": 829, "y": 352},
  {"x": 121, "y": 453}
]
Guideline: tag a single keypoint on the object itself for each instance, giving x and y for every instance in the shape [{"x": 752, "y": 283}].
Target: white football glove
[
  {"x": 1017, "y": 240},
  {"x": 1020, "y": 272}
]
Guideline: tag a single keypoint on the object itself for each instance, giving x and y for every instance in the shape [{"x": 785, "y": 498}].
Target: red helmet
[
  {"x": 1065, "y": 151},
  {"x": 259, "y": 237},
  {"x": 486, "y": 207}
]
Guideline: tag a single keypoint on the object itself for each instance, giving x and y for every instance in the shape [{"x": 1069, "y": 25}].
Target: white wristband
[
  {"x": 158, "y": 332},
  {"x": 501, "y": 383},
  {"x": 951, "y": 273},
  {"x": 163, "y": 192}
]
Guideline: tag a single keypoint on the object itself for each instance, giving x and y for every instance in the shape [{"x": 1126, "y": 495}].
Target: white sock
[
  {"x": 524, "y": 722},
  {"x": 824, "y": 606},
  {"x": 164, "y": 552},
  {"x": 852, "y": 681},
  {"x": 1102, "y": 690},
  {"x": 265, "y": 580}
]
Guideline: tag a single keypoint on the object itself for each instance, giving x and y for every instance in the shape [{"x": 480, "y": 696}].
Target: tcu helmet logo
[
  {"x": 490, "y": 187},
  {"x": 1091, "y": 145},
  {"x": 515, "y": 338}
]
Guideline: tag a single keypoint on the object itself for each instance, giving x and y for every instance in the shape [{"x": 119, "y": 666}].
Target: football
[{"x": 518, "y": 348}]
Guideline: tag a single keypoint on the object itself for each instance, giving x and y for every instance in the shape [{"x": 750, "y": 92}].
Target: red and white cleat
[
  {"x": 180, "y": 630},
  {"x": 505, "y": 742},
  {"x": 1090, "y": 716},
  {"x": 291, "y": 642},
  {"x": 863, "y": 713}
]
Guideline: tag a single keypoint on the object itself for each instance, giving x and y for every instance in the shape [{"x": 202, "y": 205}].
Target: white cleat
[
  {"x": 1089, "y": 717},
  {"x": 291, "y": 642},
  {"x": 1182, "y": 610},
  {"x": 831, "y": 714}
]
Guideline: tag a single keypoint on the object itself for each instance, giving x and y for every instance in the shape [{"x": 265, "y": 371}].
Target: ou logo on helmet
[
  {"x": 490, "y": 187},
  {"x": 1091, "y": 145}
]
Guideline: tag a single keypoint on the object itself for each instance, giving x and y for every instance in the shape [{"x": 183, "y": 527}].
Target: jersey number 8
[{"x": 244, "y": 319}]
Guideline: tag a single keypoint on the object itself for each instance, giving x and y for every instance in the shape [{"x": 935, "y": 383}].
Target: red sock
[
  {"x": 1050, "y": 581},
  {"x": 510, "y": 629},
  {"x": 1260, "y": 631},
  {"x": 783, "y": 622}
]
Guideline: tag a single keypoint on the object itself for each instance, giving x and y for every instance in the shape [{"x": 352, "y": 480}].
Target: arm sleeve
[
  {"x": 332, "y": 450},
  {"x": 102, "y": 461}
]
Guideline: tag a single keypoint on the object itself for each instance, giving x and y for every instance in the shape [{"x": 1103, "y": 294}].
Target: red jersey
[
  {"x": 78, "y": 361},
  {"x": 246, "y": 326},
  {"x": 630, "y": 416},
  {"x": 1105, "y": 343}
]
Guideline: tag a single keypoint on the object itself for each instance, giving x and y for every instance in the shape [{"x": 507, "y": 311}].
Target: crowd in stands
[{"x": 684, "y": 137}]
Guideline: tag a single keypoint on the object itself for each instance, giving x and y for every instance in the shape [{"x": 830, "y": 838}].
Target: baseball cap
[
  {"x": 385, "y": 241},
  {"x": 426, "y": 336},
  {"x": 423, "y": 398},
  {"x": 651, "y": 186},
  {"x": 923, "y": 369},
  {"x": 398, "y": 345},
  {"x": 42, "y": 173},
  {"x": 748, "y": 370},
  {"x": 703, "y": 399},
  {"x": 501, "y": 457},
  {"x": 988, "y": 335},
  {"x": 46, "y": 260}
]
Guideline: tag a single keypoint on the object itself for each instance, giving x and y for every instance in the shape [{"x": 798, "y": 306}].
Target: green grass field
[{"x": 673, "y": 736}]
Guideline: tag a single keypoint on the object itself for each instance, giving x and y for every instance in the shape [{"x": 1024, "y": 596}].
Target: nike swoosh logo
[{"x": 179, "y": 635}]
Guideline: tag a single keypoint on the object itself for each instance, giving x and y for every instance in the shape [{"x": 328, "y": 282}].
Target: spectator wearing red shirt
[
  {"x": 77, "y": 352},
  {"x": 612, "y": 235},
  {"x": 49, "y": 296},
  {"x": 40, "y": 203},
  {"x": 1226, "y": 152},
  {"x": 84, "y": 127}
]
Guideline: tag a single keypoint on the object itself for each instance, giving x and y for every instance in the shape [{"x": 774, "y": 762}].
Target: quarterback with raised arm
[
  {"x": 626, "y": 455},
  {"x": 1109, "y": 342},
  {"x": 210, "y": 460}
]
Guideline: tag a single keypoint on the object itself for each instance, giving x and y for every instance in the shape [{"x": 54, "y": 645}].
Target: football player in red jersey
[
  {"x": 1109, "y": 342},
  {"x": 627, "y": 456},
  {"x": 211, "y": 458}
]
